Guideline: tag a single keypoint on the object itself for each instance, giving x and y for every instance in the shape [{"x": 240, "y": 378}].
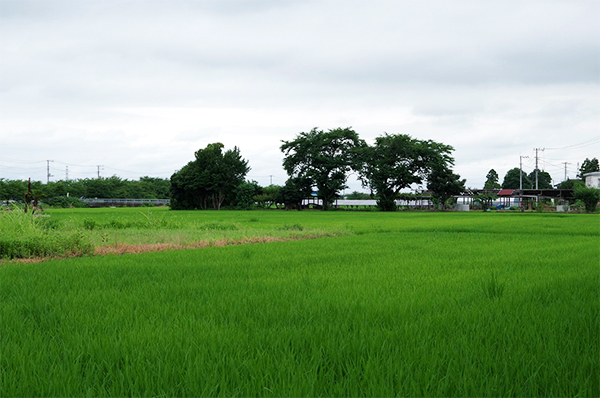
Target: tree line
[
  {"x": 319, "y": 161},
  {"x": 67, "y": 193},
  {"x": 515, "y": 178}
]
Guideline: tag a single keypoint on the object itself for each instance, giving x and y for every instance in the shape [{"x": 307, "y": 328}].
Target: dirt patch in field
[{"x": 123, "y": 248}]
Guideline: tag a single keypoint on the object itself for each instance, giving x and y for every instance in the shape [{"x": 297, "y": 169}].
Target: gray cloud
[{"x": 490, "y": 78}]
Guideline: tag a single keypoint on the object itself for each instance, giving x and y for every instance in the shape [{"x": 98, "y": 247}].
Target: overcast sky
[{"x": 138, "y": 86}]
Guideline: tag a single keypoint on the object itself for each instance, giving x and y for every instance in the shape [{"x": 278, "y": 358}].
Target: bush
[
  {"x": 589, "y": 197},
  {"x": 64, "y": 202}
]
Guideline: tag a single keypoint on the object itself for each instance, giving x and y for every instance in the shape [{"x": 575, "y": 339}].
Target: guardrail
[{"x": 105, "y": 202}]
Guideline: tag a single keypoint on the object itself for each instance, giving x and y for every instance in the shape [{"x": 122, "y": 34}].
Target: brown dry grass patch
[{"x": 124, "y": 248}]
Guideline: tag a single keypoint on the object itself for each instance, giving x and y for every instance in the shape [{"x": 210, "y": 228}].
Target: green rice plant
[
  {"x": 394, "y": 311},
  {"x": 492, "y": 288},
  {"x": 89, "y": 224}
]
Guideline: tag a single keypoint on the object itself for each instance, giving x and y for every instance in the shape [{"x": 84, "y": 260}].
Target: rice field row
[{"x": 403, "y": 304}]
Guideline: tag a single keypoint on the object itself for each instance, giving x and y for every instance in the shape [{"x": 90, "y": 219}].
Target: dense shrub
[{"x": 589, "y": 196}]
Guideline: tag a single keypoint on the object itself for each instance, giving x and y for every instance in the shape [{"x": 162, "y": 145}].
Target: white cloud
[{"x": 139, "y": 86}]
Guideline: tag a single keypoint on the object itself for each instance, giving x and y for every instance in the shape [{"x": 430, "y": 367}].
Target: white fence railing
[{"x": 124, "y": 202}]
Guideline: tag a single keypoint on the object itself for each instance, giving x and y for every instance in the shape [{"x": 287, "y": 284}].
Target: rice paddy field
[{"x": 276, "y": 303}]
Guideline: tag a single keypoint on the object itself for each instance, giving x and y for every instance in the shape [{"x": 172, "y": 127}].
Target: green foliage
[
  {"x": 588, "y": 166},
  {"x": 484, "y": 200},
  {"x": 544, "y": 180},
  {"x": 245, "y": 194},
  {"x": 444, "y": 184},
  {"x": 492, "y": 288},
  {"x": 294, "y": 191},
  {"x": 512, "y": 179},
  {"x": 569, "y": 184},
  {"x": 25, "y": 235},
  {"x": 268, "y": 196},
  {"x": 89, "y": 224},
  {"x": 491, "y": 181},
  {"x": 207, "y": 181},
  {"x": 355, "y": 195},
  {"x": 293, "y": 227},
  {"x": 397, "y": 161},
  {"x": 322, "y": 159},
  {"x": 589, "y": 196},
  {"x": 344, "y": 316},
  {"x": 64, "y": 202},
  {"x": 55, "y": 193}
]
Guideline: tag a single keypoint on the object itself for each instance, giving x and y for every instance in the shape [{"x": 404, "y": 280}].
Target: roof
[{"x": 506, "y": 192}]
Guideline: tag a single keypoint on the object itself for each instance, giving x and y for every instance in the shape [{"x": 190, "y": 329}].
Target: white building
[{"x": 592, "y": 180}]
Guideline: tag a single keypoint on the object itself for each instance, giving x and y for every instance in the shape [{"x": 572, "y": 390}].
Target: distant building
[{"x": 592, "y": 180}]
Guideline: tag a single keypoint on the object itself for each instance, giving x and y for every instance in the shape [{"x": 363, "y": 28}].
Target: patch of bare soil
[{"x": 123, "y": 248}]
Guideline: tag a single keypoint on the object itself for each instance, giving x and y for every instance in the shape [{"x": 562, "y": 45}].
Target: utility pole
[
  {"x": 566, "y": 163},
  {"x": 521, "y": 171},
  {"x": 536, "y": 165},
  {"x": 99, "y": 166},
  {"x": 48, "y": 175},
  {"x": 271, "y": 179},
  {"x": 67, "y": 173}
]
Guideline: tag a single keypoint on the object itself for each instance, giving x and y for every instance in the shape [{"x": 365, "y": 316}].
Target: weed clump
[
  {"x": 25, "y": 235},
  {"x": 293, "y": 227}
]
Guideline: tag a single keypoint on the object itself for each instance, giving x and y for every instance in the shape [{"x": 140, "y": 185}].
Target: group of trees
[
  {"x": 323, "y": 160},
  {"x": 68, "y": 192},
  {"x": 212, "y": 179},
  {"x": 318, "y": 161},
  {"x": 514, "y": 177}
]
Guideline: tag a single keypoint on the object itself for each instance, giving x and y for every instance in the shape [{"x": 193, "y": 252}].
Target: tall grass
[
  {"x": 409, "y": 307},
  {"x": 24, "y": 235}
]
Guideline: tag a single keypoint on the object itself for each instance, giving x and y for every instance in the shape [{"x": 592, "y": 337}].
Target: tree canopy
[
  {"x": 55, "y": 192},
  {"x": 322, "y": 159},
  {"x": 396, "y": 162},
  {"x": 512, "y": 179},
  {"x": 544, "y": 180},
  {"x": 491, "y": 181},
  {"x": 444, "y": 184},
  {"x": 208, "y": 180},
  {"x": 588, "y": 166}
]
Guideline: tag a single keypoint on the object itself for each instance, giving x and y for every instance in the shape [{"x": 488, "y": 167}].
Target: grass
[
  {"x": 403, "y": 304},
  {"x": 25, "y": 235}
]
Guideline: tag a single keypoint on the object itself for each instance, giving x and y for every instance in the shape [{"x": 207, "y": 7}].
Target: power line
[{"x": 580, "y": 145}]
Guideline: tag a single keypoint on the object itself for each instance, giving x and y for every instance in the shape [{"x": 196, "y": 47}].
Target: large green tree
[
  {"x": 491, "y": 181},
  {"x": 294, "y": 191},
  {"x": 512, "y": 179},
  {"x": 208, "y": 180},
  {"x": 544, "y": 180},
  {"x": 444, "y": 184},
  {"x": 396, "y": 162},
  {"x": 323, "y": 158},
  {"x": 588, "y": 166}
]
